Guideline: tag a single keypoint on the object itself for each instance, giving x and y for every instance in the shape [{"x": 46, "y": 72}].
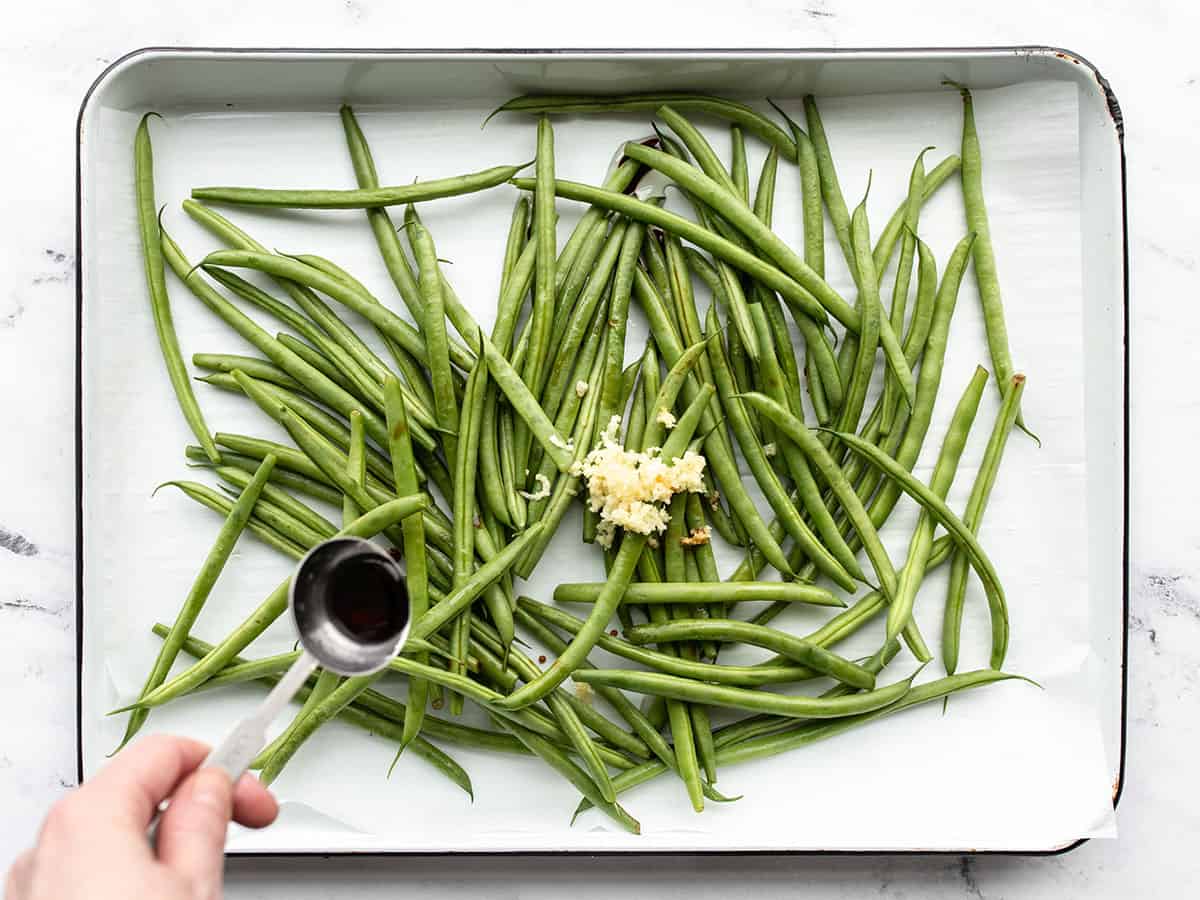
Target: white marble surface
[{"x": 51, "y": 50}]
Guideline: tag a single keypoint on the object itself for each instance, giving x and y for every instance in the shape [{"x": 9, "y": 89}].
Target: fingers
[
  {"x": 128, "y": 790},
  {"x": 253, "y": 805},
  {"x": 16, "y": 885},
  {"x": 191, "y": 836}
]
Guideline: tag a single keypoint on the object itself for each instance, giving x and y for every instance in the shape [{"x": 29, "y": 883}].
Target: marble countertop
[{"x": 52, "y": 50}]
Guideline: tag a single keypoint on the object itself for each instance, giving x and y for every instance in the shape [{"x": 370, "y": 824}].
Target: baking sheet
[{"x": 1008, "y": 767}]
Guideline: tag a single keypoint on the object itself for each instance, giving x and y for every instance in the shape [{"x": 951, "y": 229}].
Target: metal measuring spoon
[{"x": 350, "y": 605}]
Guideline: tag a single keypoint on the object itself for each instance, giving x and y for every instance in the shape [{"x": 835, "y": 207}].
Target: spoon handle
[{"x": 234, "y": 754}]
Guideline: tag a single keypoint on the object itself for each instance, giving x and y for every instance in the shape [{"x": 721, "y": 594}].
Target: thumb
[{"x": 191, "y": 838}]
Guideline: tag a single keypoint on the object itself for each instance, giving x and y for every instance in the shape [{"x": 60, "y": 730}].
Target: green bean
[
  {"x": 798, "y": 649},
  {"x": 330, "y": 460},
  {"x": 630, "y": 713},
  {"x": 312, "y": 379},
  {"x": 781, "y": 339},
  {"x": 744, "y": 219},
  {"x": 407, "y": 364},
  {"x": 299, "y": 284},
  {"x": 761, "y": 724},
  {"x": 810, "y": 198},
  {"x": 369, "y": 360},
  {"x": 327, "y": 699},
  {"x": 518, "y": 509},
  {"x": 368, "y": 525},
  {"x": 749, "y": 676},
  {"x": 667, "y": 392},
  {"x": 938, "y": 509},
  {"x": 559, "y": 761},
  {"x": 494, "y": 491},
  {"x": 738, "y": 214},
  {"x": 413, "y": 529},
  {"x": 386, "y": 238},
  {"x": 289, "y": 542},
  {"x": 922, "y": 314},
  {"x": 764, "y": 195},
  {"x": 929, "y": 380},
  {"x": 518, "y": 236},
  {"x": 973, "y": 515},
  {"x": 256, "y": 296},
  {"x": 327, "y": 425},
  {"x": 258, "y": 368},
  {"x": 309, "y": 487},
  {"x": 330, "y": 364},
  {"x": 241, "y": 479},
  {"x": 377, "y": 314},
  {"x": 332, "y": 359},
  {"x": 618, "y": 178},
  {"x": 649, "y": 214},
  {"x": 816, "y": 391},
  {"x": 433, "y": 328},
  {"x": 984, "y": 254},
  {"x": 912, "y": 215},
  {"x": 592, "y": 299},
  {"x": 591, "y": 247},
  {"x": 611, "y": 388},
  {"x": 635, "y": 423},
  {"x": 503, "y": 373},
  {"x": 797, "y": 465},
  {"x": 583, "y": 641},
  {"x": 831, "y": 190},
  {"x": 672, "y": 686},
  {"x": 202, "y": 585},
  {"x": 567, "y": 485},
  {"x": 466, "y": 459},
  {"x": 934, "y": 179},
  {"x": 706, "y": 157},
  {"x": 802, "y": 733},
  {"x": 755, "y": 457},
  {"x": 743, "y": 115},
  {"x": 810, "y": 732},
  {"x": 832, "y": 474},
  {"x": 717, "y": 452},
  {"x": 545, "y": 219},
  {"x": 461, "y": 597},
  {"x": 588, "y": 371},
  {"x": 361, "y": 198},
  {"x": 150, "y": 233},
  {"x": 868, "y": 337},
  {"x": 921, "y": 542},
  {"x": 705, "y": 592},
  {"x": 682, "y": 723},
  {"x": 289, "y": 457},
  {"x": 569, "y": 721}
]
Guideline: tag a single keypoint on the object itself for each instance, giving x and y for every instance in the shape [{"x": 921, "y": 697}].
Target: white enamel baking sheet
[{"x": 1010, "y": 767}]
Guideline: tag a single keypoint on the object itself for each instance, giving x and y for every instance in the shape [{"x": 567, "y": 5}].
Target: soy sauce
[{"x": 367, "y": 598}]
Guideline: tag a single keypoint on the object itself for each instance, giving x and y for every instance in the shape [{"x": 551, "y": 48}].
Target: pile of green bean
[{"x": 462, "y": 448}]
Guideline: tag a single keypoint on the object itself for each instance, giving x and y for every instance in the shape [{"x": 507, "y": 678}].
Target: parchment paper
[{"x": 1010, "y": 766}]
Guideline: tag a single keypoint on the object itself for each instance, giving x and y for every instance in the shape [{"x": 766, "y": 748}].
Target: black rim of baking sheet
[{"x": 1032, "y": 50}]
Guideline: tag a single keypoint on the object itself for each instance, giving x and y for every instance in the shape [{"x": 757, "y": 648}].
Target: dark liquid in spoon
[{"x": 367, "y": 599}]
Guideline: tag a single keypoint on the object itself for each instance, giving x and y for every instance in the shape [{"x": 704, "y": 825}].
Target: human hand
[{"x": 93, "y": 843}]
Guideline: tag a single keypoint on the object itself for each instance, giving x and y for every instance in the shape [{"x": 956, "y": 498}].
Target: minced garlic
[
  {"x": 666, "y": 419},
  {"x": 630, "y": 489},
  {"x": 697, "y": 537},
  {"x": 581, "y": 388},
  {"x": 769, "y": 449},
  {"x": 543, "y": 490}
]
